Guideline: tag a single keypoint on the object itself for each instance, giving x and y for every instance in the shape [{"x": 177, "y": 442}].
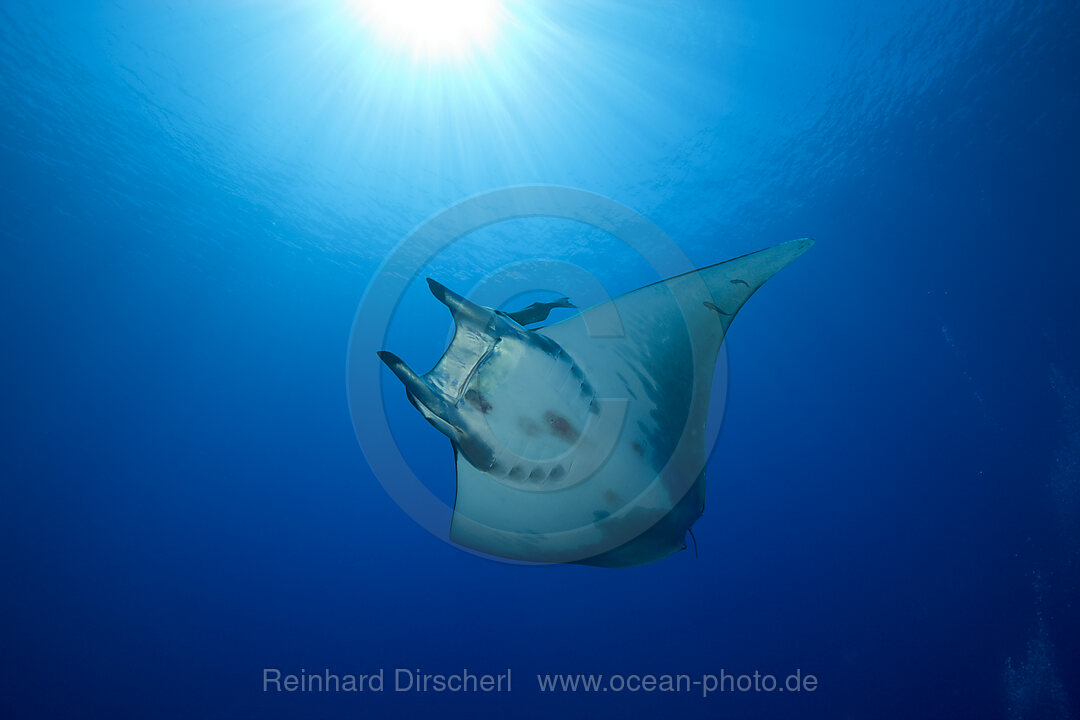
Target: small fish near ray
[{"x": 577, "y": 446}]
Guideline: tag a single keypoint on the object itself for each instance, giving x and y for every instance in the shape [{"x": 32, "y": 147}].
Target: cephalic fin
[{"x": 462, "y": 309}]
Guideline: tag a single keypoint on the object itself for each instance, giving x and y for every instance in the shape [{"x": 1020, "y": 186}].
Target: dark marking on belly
[
  {"x": 740, "y": 282},
  {"x": 599, "y": 515},
  {"x": 611, "y": 497},
  {"x": 528, "y": 426},
  {"x": 561, "y": 427},
  {"x": 638, "y": 447},
  {"x": 715, "y": 309},
  {"x": 477, "y": 400}
]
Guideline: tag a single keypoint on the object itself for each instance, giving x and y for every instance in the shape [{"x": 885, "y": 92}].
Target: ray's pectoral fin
[{"x": 538, "y": 311}]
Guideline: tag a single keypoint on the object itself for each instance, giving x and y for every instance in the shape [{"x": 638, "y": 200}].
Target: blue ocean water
[{"x": 196, "y": 196}]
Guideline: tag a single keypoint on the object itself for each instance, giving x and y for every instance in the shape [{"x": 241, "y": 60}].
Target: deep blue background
[{"x": 195, "y": 196}]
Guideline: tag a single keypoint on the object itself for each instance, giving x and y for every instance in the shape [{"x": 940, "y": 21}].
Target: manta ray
[{"x": 583, "y": 440}]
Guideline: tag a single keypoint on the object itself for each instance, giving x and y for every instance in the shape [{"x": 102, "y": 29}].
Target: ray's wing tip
[{"x": 795, "y": 248}]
